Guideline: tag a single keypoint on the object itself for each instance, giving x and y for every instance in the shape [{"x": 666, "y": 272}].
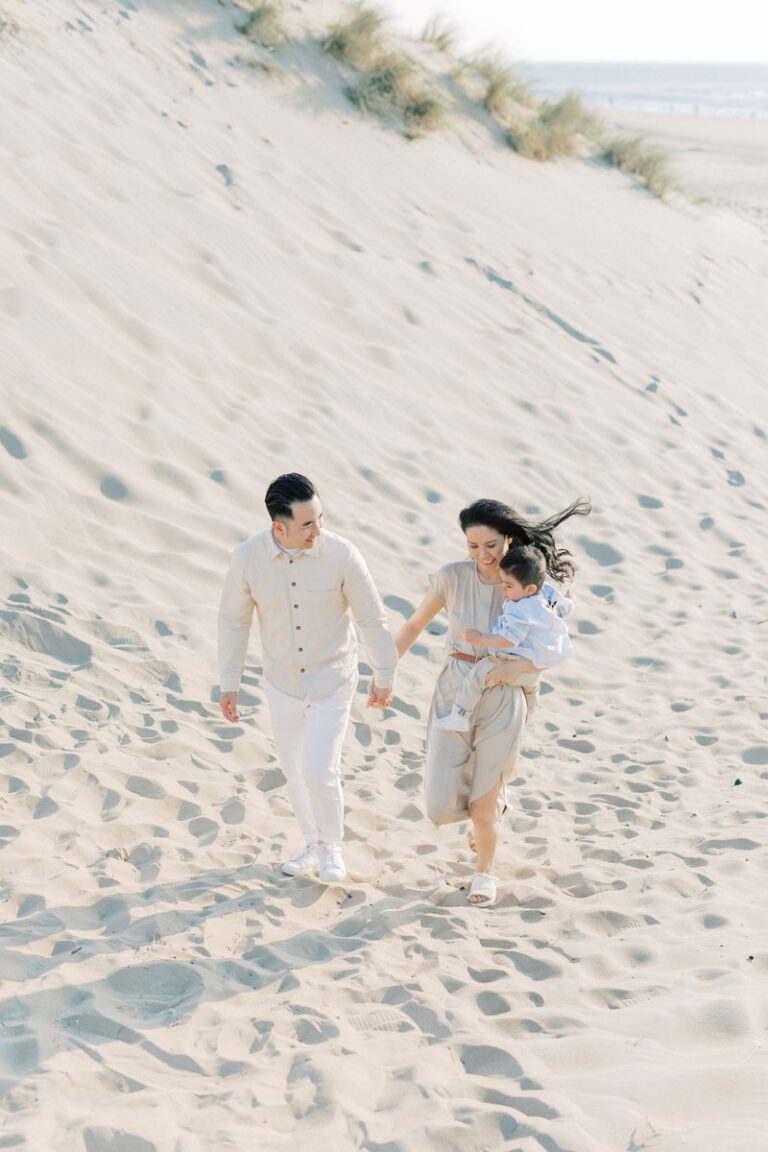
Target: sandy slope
[
  {"x": 209, "y": 276},
  {"x": 725, "y": 161}
]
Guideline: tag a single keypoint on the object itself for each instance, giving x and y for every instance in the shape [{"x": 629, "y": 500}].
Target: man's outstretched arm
[
  {"x": 235, "y": 616},
  {"x": 371, "y": 619}
]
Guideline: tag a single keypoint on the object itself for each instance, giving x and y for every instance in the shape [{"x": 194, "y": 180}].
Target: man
[{"x": 304, "y": 582}]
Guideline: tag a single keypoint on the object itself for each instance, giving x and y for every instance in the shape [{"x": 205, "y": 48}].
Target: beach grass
[
  {"x": 356, "y": 41},
  {"x": 555, "y": 131},
  {"x": 390, "y": 88},
  {"x": 648, "y": 164},
  {"x": 505, "y": 89},
  {"x": 8, "y": 27},
  {"x": 388, "y": 85},
  {"x": 440, "y": 32},
  {"x": 265, "y": 25}
]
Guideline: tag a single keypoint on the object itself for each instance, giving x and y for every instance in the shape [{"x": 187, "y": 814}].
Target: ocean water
[{"x": 738, "y": 90}]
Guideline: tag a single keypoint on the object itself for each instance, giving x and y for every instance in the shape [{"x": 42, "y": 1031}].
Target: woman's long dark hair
[{"x": 507, "y": 522}]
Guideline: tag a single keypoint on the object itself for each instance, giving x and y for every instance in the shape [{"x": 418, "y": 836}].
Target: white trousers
[{"x": 308, "y": 739}]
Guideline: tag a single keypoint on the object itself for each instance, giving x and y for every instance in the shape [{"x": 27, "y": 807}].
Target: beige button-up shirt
[{"x": 305, "y": 606}]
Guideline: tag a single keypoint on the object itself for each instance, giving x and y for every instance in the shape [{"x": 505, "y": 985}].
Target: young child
[{"x": 527, "y": 628}]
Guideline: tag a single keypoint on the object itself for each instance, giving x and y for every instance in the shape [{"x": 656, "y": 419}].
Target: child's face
[{"x": 513, "y": 589}]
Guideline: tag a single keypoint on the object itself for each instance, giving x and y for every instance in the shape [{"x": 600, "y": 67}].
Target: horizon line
[{"x": 676, "y": 63}]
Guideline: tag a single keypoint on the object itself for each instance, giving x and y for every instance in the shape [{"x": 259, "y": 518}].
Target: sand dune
[{"x": 210, "y": 275}]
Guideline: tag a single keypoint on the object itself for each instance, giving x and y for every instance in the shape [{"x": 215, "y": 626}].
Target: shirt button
[
  {"x": 298, "y": 627},
  {"x": 300, "y": 650},
  {"x": 290, "y": 561},
  {"x": 302, "y": 669},
  {"x": 293, "y": 583},
  {"x": 295, "y": 605}
]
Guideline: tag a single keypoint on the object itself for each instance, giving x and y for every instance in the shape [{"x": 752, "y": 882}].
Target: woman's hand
[
  {"x": 472, "y": 636},
  {"x": 378, "y": 697},
  {"x": 507, "y": 671},
  {"x": 228, "y": 705}
]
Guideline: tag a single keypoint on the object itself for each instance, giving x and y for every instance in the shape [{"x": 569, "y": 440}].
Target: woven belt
[{"x": 467, "y": 657}]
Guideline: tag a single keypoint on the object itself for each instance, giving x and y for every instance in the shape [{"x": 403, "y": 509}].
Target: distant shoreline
[
  {"x": 719, "y": 90},
  {"x": 713, "y": 157}
]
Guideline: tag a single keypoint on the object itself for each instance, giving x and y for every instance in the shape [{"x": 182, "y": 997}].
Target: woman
[{"x": 466, "y": 771}]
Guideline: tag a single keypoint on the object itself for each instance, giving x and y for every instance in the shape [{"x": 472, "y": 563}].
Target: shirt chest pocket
[{"x": 325, "y": 606}]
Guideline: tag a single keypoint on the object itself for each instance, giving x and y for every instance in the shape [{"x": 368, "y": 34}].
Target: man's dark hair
[
  {"x": 526, "y": 564},
  {"x": 290, "y": 488}
]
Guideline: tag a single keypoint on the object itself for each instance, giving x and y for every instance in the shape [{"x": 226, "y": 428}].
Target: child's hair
[
  {"x": 503, "y": 519},
  {"x": 526, "y": 564}
]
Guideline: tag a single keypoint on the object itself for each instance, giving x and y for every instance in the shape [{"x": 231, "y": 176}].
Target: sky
[{"x": 657, "y": 30}]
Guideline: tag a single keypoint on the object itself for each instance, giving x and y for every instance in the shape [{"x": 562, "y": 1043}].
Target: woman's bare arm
[
  {"x": 429, "y": 607},
  {"x": 426, "y": 611}
]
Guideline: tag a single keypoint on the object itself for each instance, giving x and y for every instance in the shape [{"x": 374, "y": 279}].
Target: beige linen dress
[{"x": 462, "y": 766}]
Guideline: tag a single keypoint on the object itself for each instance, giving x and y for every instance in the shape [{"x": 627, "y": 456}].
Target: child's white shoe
[{"x": 455, "y": 721}]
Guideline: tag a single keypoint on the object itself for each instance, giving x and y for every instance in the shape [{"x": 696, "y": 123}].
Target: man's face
[{"x": 303, "y": 528}]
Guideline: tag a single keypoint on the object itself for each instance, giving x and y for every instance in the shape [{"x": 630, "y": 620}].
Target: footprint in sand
[
  {"x": 115, "y": 1140},
  {"x": 307, "y": 1092},
  {"x": 113, "y": 488},
  {"x": 204, "y": 830},
  {"x": 12, "y": 444},
  {"x": 362, "y": 733},
  {"x": 163, "y": 989},
  {"x": 398, "y": 604},
  {"x": 491, "y": 1004},
  {"x": 40, "y": 635},
  {"x": 756, "y": 755},
  {"x": 486, "y": 975},
  {"x": 233, "y": 812},
  {"x": 485, "y": 1060},
  {"x": 603, "y": 554},
  {"x": 313, "y": 1027}
]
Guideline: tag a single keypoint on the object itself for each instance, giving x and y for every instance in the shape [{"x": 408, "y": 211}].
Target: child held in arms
[{"x": 529, "y": 627}]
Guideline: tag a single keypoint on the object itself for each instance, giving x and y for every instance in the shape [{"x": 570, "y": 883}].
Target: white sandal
[{"x": 483, "y": 888}]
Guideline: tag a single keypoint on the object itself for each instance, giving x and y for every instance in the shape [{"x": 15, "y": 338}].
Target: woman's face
[{"x": 486, "y": 546}]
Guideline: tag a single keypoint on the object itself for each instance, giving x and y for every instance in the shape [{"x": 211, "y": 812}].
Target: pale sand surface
[
  {"x": 719, "y": 159},
  {"x": 209, "y": 276}
]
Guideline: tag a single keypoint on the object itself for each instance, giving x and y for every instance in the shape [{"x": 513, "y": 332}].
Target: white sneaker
[
  {"x": 331, "y": 863},
  {"x": 303, "y": 864},
  {"x": 454, "y": 722}
]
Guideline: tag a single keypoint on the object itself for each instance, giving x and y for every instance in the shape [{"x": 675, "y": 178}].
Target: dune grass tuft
[
  {"x": 441, "y": 33},
  {"x": 8, "y": 27},
  {"x": 570, "y": 116},
  {"x": 633, "y": 154},
  {"x": 356, "y": 41},
  {"x": 264, "y": 24},
  {"x": 389, "y": 88},
  {"x": 504, "y": 88},
  {"x": 555, "y": 131}
]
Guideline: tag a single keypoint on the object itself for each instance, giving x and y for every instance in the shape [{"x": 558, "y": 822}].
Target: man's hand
[
  {"x": 378, "y": 697},
  {"x": 228, "y": 705},
  {"x": 472, "y": 636}
]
